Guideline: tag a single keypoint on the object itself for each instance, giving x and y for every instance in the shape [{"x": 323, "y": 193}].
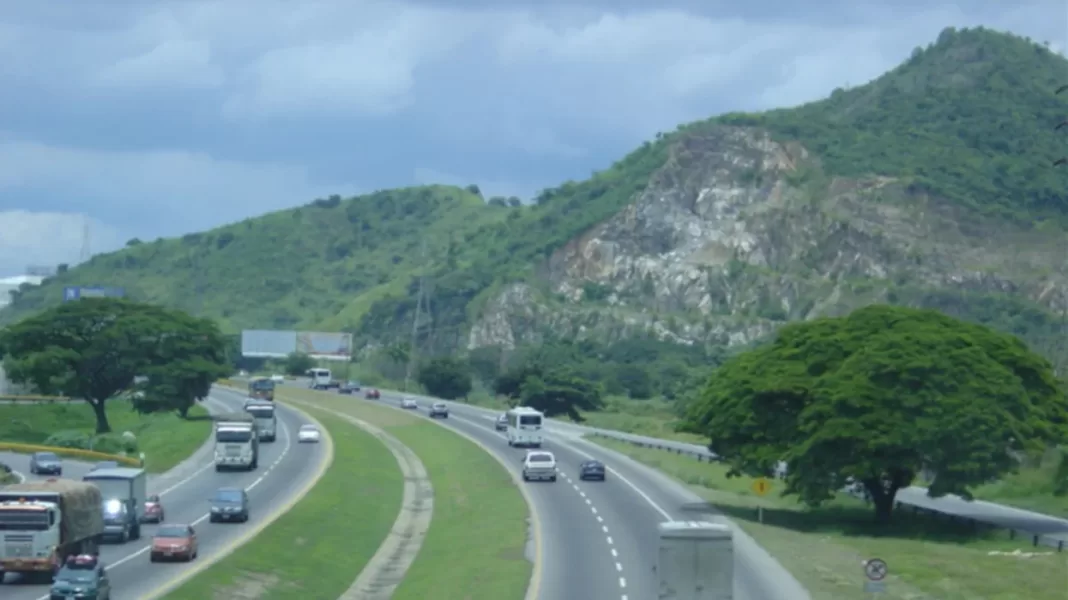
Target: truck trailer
[
  {"x": 44, "y": 522},
  {"x": 266, "y": 420},
  {"x": 695, "y": 561},
  {"x": 123, "y": 492},
  {"x": 237, "y": 442}
]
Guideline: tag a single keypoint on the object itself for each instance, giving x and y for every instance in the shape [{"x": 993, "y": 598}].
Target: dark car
[
  {"x": 372, "y": 394},
  {"x": 229, "y": 504},
  {"x": 349, "y": 387},
  {"x": 591, "y": 469},
  {"x": 502, "y": 423},
  {"x": 46, "y": 463},
  {"x": 83, "y": 576}
]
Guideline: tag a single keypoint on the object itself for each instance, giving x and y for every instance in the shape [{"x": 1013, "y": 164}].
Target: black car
[
  {"x": 349, "y": 387},
  {"x": 229, "y": 504},
  {"x": 45, "y": 463},
  {"x": 591, "y": 469}
]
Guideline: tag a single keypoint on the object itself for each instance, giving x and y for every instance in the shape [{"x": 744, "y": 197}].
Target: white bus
[
  {"x": 524, "y": 427},
  {"x": 320, "y": 378}
]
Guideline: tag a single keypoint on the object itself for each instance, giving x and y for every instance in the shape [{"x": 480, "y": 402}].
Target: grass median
[
  {"x": 316, "y": 550},
  {"x": 165, "y": 438},
  {"x": 929, "y": 557},
  {"x": 474, "y": 549}
]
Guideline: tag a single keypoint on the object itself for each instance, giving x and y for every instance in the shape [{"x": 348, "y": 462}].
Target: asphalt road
[
  {"x": 284, "y": 468},
  {"x": 600, "y": 538}
]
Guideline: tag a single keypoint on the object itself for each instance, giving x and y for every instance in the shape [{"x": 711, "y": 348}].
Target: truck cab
[
  {"x": 123, "y": 493},
  {"x": 266, "y": 421},
  {"x": 237, "y": 442}
]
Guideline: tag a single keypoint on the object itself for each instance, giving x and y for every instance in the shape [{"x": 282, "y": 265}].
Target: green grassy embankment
[
  {"x": 165, "y": 439},
  {"x": 474, "y": 549},
  {"x": 929, "y": 557},
  {"x": 317, "y": 548}
]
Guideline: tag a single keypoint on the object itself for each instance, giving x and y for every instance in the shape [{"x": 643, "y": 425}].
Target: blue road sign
[{"x": 79, "y": 292}]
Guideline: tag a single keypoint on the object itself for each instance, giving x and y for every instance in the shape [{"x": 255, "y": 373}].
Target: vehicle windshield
[
  {"x": 540, "y": 458},
  {"x": 74, "y": 575},
  {"x": 47, "y": 456},
  {"x": 227, "y": 496},
  {"x": 172, "y": 531},
  {"x": 530, "y": 420},
  {"x": 439, "y": 405},
  {"x": 233, "y": 436},
  {"x": 308, "y": 428},
  {"x": 14, "y": 519}
]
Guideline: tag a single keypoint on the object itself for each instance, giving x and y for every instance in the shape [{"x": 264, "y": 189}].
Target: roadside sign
[
  {"x": 78, "y": 292},
  {"x": 874, "y": 587},
  {"x": 761, "y": 486},
  {"x": 876, "y": 569}
]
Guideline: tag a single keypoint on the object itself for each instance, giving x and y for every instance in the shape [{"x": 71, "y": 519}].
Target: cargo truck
[
  {"x": 695, "y": 561},
  {"x": 42, "y": 523},
  {"x": 266, "y": 421},
  {"x": 237, "y": 443},
  {"x": 123, "y": 492},
  {"x": 261, "y": 388}
]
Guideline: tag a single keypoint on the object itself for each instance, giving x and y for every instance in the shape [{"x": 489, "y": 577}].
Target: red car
[
  {"x": 153, "y": 510},
  {"x": 372, "y": 394}
]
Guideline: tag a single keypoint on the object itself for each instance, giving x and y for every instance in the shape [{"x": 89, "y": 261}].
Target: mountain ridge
[{"x": 955, "y": 144}]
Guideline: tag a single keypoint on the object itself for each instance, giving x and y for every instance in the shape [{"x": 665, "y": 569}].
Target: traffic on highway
[{"x": 111, "y": 525}]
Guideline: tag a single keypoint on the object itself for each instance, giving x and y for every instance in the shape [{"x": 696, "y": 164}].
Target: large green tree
[
  {"x": 445, "y": 377},
  {"x": 95, "y": 347},
  {"x": 877, "y": 396},
  {"x": 553, "y": 389}
]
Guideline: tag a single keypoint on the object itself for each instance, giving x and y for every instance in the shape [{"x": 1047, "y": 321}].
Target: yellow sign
[{"x": 761, "y": 486}]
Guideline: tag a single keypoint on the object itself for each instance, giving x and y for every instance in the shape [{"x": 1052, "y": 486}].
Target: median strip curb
[
  {"x": 206, "y": 563},
  {"x": 386, "y": 569}
]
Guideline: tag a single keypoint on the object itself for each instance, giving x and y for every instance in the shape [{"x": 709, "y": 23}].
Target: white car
[
  {"x": 539, "y": 465},
  {"x": 278, "y": 378},
  {"x": 408, "y": 402},
  {"x": 308, "y": 434}
]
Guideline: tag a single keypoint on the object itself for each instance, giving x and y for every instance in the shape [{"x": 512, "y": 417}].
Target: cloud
[
  {"x": 49, "y": 238},
  {"x": 158, "y": 118}
]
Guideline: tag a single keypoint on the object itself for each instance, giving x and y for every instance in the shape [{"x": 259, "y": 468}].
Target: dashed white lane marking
[{"x": 604, "y": 528}]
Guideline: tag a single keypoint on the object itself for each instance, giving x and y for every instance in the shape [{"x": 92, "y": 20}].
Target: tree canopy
[
  {"x": 94, "y": 348},
  {"x": 553, "y": 389},
  {"x": 878, "y": 396},
  {"x": 445, "y": 377}
]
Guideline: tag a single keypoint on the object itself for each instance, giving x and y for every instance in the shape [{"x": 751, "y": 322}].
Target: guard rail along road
[
  {"x": 1042, "y": 530},
  {"x": 78, "y": 453}
]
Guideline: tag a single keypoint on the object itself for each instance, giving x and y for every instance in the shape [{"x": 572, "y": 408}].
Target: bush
[
  {"x": 69, "y": 439},
  {"x": 107, "y": 443}
]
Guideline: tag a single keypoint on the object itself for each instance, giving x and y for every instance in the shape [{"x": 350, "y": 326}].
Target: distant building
[{"x": 11, "y": 284}]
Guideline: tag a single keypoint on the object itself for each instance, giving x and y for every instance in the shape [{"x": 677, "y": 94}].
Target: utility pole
[{"x": 412, "y": 345}]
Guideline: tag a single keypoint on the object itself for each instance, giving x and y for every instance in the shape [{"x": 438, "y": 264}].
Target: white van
[
  {"x": 320, "y": 378},
  {"x": 524, "y": 427}
]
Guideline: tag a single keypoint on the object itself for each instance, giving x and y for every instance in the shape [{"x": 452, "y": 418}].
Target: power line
[{"x": 413, "y": 343}]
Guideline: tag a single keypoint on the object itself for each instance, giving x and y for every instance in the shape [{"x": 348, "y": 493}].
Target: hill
[{"x": 929, "y": 186}]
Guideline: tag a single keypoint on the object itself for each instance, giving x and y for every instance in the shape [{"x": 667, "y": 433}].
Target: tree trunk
[
  {"x": 102, "y": 425},
  {"x": 884, "y": 507}
]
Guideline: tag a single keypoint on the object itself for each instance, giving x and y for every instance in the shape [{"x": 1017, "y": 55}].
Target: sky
[{"x": 132, "y": 119}]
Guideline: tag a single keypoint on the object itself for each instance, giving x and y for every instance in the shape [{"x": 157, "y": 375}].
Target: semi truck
[
  {"x": 237, "y": 443},
  {"x": 44, "y": 522},
  {"x": 266, "y": 421},
  {"x": 695, "y": 561},
  {"x": 123, "y": 492}
]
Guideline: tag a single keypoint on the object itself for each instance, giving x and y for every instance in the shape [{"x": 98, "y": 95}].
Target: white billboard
[{"x": 263, "y": 343}]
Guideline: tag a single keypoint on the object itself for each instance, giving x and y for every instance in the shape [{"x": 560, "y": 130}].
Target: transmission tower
[
  {"x": 422, "y": 304},
  {"x": 86, "y": 247}
]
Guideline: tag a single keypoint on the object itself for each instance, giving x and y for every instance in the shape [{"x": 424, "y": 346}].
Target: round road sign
[{"x": 876, "y": 569}]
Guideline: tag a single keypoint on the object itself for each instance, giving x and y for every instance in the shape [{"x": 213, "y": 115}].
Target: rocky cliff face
[{"x": 738, "y": 233}]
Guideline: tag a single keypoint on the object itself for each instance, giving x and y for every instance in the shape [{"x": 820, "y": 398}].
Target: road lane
[{"x": 284, "y": 466}]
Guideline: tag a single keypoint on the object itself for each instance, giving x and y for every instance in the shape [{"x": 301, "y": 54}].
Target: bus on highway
[{"x": 524, "y": 427}]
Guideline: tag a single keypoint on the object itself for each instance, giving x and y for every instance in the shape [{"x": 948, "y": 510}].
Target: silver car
[
  {"x": 439, "y": 409},
  {"x": 46, "y": 463},
  {"x": 408, "y": 402}
]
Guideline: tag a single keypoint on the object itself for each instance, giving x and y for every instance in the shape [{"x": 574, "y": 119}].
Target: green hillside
[
  {"x": 317, "y": 265},
  {"x": 968, "y": 119}
]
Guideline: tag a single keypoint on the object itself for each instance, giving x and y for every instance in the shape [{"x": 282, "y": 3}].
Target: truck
[
  {"x": 321, "y": 379},
  {"x": 261, "y": 388},
  {"x": 695, "y": 561},
  {"x": 237, "y": 443},
  {"x": 123, "y": 492},
  {"x": 266, "y": 420},
  {"x": 42, "y": 523}
]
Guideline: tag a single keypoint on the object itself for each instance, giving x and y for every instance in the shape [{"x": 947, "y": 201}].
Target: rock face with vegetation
[{"x": 931, "y": 186}]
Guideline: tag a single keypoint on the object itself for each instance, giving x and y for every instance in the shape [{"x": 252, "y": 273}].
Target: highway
[
  {"x": 284, "y": 468},
  {"x": 600, "y": 538}
]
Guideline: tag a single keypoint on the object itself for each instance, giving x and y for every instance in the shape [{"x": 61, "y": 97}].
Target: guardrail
[
  {"x": 72, "y": 453},
  {"x": 1054, "y": 534}
]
